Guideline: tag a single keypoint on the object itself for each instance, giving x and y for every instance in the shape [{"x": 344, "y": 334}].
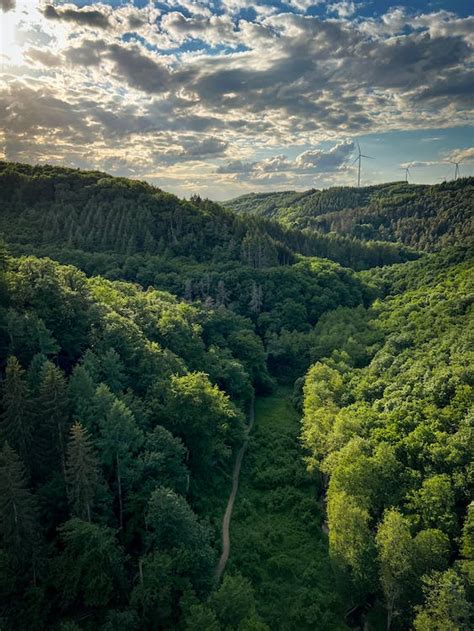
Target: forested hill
[
  {"x": 123, "y": 407},
  {"x": 46, "y": 206},
  {"x": 388, "y": 421},
  {"x": 423, "y": 217}
]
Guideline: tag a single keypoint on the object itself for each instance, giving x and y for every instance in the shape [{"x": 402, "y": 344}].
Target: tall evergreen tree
[
  {"x": 34, "y": 373},
  {"x": 120, "y": 439},
  {"x": 16, "y": 418},
  {"x": 54, "y": 410},
  {"x": 81, "y": 391},
  {"x": 17, "y": 506},
  {"x": 256, "y": 298},
  {"x": 81, "y": 472},
  {"x": 113, "y": 370}
]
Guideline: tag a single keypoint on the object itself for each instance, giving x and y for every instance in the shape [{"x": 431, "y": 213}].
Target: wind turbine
[
  {"x": 359, "y": 157},
  {"x": 457, "y": 171},
  {"x": 407, "y": 172}
]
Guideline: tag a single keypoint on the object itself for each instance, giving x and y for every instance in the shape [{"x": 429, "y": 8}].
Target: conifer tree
[
  {"x": 120, "y": 439},
  {"x": 81, "y": 391},
  {"x": 16, "y": 419},
  {"x": 222, "y": 295},
  {"x": 81, "y": 471},
  {"x": 34, "y": 373},
  {"x": 256, "y": 298},
  {"x": 54, "y": 410},
  {"x": 17, "y": 506},
  {"x": 113, "y": 370},
  {"x": 188, "y": 290}
]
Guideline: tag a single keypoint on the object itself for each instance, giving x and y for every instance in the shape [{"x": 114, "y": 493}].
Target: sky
[{"x": 225, "y": 97}]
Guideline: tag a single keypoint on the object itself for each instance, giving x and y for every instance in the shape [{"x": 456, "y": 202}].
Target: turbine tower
[
  {"x": 457, "y": 171},
  {"x": 407, "y": 170},
  {"x": 359, "y": 157}
]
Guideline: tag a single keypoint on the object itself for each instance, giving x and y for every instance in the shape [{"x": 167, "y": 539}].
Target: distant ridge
[
  {"x": 425, "y": 217},
  {"x": 48, "y": 206}
]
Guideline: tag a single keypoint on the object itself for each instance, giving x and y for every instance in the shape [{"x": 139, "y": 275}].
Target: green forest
[
  {"x": 423, "y": 217},
  {"x": 147, "y": 342}
]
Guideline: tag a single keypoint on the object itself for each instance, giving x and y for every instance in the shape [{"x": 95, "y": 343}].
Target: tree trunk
[
  {"x": 119, "y": 488},
  {"x": 389, "y": 615}
]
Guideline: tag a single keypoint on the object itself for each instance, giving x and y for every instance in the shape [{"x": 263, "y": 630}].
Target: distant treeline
[
  {"x": 419, "y": 216},
  {"x": 91, "y": 211}
]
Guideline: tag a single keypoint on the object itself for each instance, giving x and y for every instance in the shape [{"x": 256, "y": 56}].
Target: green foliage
[
  {"x": 205, "y": 418},
  {"x": 124, "y": 372},
  {"x": 155, "y": 385},
  {"x": 17, "y": 507},
  {"x": 16, "y": 417},
  {"x": 89, "y": 569},
  {"x": 276, "y": 537},
  {"x": 446, "y": 605},
  {"x": 52, "y": 416},
  {"x": 81, "y": 472},
  {"x": 387, "y": 423},
  {"x": 233, "y": 602},
  {"x": 424, "y": 217},
  {"x": 396, "y": 553},
  {"x": 93, "y": 212}
]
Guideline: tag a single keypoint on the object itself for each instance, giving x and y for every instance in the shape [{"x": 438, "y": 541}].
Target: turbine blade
[{"x": 363, "y": 156}]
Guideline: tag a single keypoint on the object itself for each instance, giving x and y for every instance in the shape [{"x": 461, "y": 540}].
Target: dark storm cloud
[
  {"x": 204, "y": 148},
  {"x": 405, "y": 63},
  {"x": 308, "y": 162},
  {"x": 236, "y": 166},
  {"x": 459, "y": 85},
  {"x": 316, "y": 74},
  {"x": 7, "y": 5},
  {"x": 139, "y": 70},
  {"x": 84, "y": 17}
]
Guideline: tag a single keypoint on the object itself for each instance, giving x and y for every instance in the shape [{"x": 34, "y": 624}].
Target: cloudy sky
[{"x": 223, "y": 97}]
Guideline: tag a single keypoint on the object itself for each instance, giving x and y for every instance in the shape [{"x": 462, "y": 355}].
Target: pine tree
[
  {"x": 34, "y": 373},
  {"x": 113, "y": 370},
  {"x": 256, "y": 298},
  {"x": 17, "y": 506},
  {"x": 188, "y": 290},
  {"x": 81, "y": 472},
  {"x": 16, "y": 419},
  {"x": 222, "y": 295},
  {"x": 81, "y": 390},
  {"x": 120, "y": 440},
  {"x": 54, "y": 410}
]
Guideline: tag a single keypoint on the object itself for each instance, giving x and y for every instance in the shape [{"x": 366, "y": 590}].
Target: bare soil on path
[{"x": 233, "y": 494}]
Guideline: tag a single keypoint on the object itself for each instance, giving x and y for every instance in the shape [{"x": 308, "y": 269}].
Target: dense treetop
[
  {"x": 425, "y": 217},
  {"x": 46, "y": 206},
  {"x": 388, "y": 421},
  {"x": 135, "y": 330}
]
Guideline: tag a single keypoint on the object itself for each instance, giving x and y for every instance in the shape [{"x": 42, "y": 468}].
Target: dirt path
[{"x": 230, "y": 503}]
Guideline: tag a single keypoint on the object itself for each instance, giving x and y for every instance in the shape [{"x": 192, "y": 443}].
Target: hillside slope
[
  {"x": 423, "y": 217},
  {"x": 388, "y": 421},
  {"x": 46, "y": 206}
]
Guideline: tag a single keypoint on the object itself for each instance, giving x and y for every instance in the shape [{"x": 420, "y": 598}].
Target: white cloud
[
  {"x": 97, "y": 85},
  {"x": 344, "y": 9},
  {"x": 461, "y": 155}
]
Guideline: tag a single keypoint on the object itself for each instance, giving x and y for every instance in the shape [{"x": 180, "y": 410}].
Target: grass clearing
[{"x": 275, "y": 533}]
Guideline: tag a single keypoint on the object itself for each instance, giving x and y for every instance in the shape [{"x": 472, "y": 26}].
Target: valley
[{"x": 137, "y": 330}]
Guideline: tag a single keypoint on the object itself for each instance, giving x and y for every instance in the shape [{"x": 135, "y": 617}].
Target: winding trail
[{"x": 230, "y": 502}]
